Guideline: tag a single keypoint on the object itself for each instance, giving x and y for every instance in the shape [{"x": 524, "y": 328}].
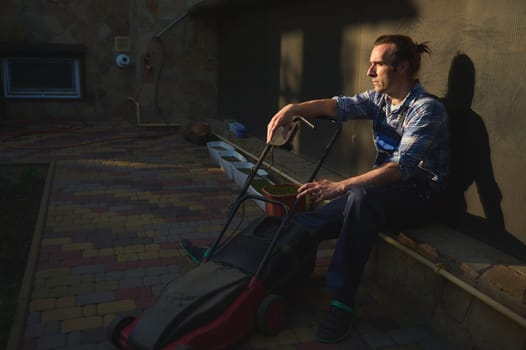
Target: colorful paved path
[{"x": 119, "y": 203}]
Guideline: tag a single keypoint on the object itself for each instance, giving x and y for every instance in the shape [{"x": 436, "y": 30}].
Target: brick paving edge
[{"x": 19, "y": 319}]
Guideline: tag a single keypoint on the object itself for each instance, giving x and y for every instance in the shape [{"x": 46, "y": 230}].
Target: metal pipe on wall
[
  {"x": 133, "y": 29},
  {"x": 510, "y": 314}
]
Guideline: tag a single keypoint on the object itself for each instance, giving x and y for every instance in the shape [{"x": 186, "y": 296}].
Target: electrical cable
[{"x": 149, "y": 60}]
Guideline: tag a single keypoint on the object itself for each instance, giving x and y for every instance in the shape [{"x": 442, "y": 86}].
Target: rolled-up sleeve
[
  {"x": 354, "y": 107},
  {"x": 423, "y": 127}
]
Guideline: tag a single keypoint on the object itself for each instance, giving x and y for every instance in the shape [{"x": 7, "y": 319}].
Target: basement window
[
  {"x": 42, "y": 71},
  {"x": 41, "y": 77}
]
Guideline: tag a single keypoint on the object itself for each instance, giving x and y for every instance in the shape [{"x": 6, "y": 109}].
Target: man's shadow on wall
[{"x": 470, "y": 163}]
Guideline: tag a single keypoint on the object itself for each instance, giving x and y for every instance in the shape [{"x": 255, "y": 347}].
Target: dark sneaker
[
  {"x": 194, "y": 252},
  {"x": 336, "y": 325}
]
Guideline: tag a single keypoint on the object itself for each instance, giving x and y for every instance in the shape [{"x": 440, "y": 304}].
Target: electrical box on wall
[{"x": 121, "y": 44}]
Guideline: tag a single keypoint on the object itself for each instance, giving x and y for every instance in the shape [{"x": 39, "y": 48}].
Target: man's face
[{"x": 383, "y": 70}]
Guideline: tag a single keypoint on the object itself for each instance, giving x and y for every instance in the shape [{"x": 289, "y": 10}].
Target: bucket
[{"x": 284, "y": 193}]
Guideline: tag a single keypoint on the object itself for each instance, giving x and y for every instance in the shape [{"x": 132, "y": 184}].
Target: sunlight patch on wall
[
  {"x": 291, "y": 67},
  {"x": 291, "y": 70}
]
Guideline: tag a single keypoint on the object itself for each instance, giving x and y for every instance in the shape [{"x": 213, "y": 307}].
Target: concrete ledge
[
  {"x": 470, "y": 292},
  {"x": 285, "y": 163},
  {"x": 485, "y": 268},
  {"x": 467, "y": 315}
]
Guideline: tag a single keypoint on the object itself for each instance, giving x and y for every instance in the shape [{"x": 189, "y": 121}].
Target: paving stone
[
  {"x": 66, "y": 301},
  {"x": 76, "y": 246},
  {"x": 88, "y": 278},
  {"x": 35, "y": 330},
  {"x": 169, "y": 277},
  {"x": 47, "y": 273},
  {"x": 61, "y": 314},
  {"x": 149, "y": 255},
  {"x": 158, "y": 289},
  {"x": 88, "y": 269},
  {"x": 81, "y": 347},
  {"x": 152, "y": 280},
  {"x": 73, "y": 339},
  {"x": 33, "y": 318},
  {"x": 99, "y": 277},
  {"x": 105, "y": 346},
  {"x": 131, "y": 282},
  {"x": 114, "y": 307},
  {"x": 81, "y": 324},
  {"x": 51, "y": 342},
  {"x": 53, "y": 327},
  {"x": 81, "y": 288},
  {"x": 93, "y": 336},
  {"x": 157, "y": 270},
  {"x": 89, "y": 310},
  {"x": 90, "y": 253},
  {"x": 63, "y": 281},
  {"x": 106, "y": 286},
  {"x": 95, "y": 298},
  {"x": 55, "y": 241},
  {"x": 175, "y": 269},
  {"x": 140, "y": 272},
  {"x": 106, "y": 252},
  {"x": 42, "y": 304},
  {"x": 114, "y": 275},
  {"x": 127, "y": 257}
]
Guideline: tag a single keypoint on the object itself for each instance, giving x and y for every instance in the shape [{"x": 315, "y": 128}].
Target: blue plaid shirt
[{"x": 413, "y": 134}]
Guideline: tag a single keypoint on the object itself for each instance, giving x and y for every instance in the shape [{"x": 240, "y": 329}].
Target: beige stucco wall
[
  {"x": 269, "y": 57},
  {"x": 184, "y": 75}
]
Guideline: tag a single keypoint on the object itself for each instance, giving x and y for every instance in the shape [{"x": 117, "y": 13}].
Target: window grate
[{"x": 41, "y": 77}]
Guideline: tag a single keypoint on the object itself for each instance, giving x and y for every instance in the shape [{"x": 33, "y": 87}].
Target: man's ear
[{"x": 402, "y": 66}]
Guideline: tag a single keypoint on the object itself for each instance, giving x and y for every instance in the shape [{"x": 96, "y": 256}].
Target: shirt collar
[{"x": 412, "y": 95}]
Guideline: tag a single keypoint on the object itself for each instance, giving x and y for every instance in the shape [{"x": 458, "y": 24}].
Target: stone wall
[
  {"x": 451, "y": 311},
  {"x": 181, "y": 84}
]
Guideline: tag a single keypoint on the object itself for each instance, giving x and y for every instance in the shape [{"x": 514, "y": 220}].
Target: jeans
[{"x": 355, "y": 219}]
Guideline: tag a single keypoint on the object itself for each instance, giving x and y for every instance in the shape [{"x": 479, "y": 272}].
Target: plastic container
[
  {"x": 217, "y": 146},
  {"x": 284, "y": 193},
  {"x": 241, "y": 170},
  {"x": 238, "y": 129},
  {"x": 259, "y": 203},
  {"x": 227, "y": 160}
]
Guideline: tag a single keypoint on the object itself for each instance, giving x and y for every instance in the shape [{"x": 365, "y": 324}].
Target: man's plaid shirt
[{"x": 414, "y": 134}]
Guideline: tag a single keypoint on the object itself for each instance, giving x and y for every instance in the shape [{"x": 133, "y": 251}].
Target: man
[{"x": 411, "y": 168}]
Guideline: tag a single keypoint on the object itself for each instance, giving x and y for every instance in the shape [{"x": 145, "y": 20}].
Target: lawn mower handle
[{"x": 231, "y": 215}]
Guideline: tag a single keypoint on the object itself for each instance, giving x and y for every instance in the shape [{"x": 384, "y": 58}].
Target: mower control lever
[{"x": 282, "y": 136}]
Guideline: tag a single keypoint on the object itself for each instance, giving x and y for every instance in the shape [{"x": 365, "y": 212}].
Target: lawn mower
[{"x": 239, "y": 285}]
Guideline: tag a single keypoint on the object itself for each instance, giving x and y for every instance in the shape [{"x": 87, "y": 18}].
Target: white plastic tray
[{"x": 216, "y": 146}]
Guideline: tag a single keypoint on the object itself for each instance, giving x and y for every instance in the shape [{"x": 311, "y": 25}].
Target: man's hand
[
  {"x": 282, "y": 118},
  {"x": 321, "y": 190},
  {"x": 385, "y": 174},
  {"x": 309, "y": 109}
]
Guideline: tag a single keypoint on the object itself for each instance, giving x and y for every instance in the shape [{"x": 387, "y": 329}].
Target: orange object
[{"x": 284, "y": 193}]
